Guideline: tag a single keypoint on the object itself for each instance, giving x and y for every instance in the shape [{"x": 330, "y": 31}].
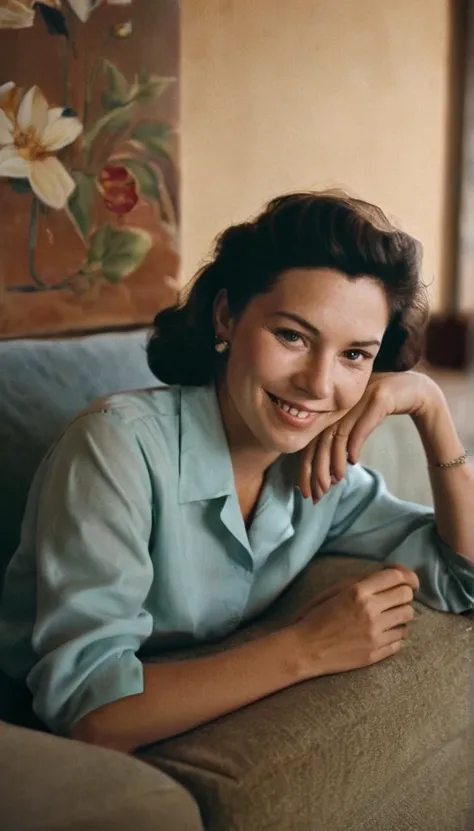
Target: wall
[{"x": 280, "y": 95}]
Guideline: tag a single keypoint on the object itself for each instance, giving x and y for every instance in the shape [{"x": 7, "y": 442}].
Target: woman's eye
[
  {"x": 289, "y": 336},
  {"x": 354, "y": 354}
]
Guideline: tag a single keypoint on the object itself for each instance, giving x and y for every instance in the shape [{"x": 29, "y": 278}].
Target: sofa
[{"x": 388, "y": 747}]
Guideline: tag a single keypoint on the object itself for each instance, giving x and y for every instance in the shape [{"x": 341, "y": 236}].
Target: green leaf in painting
[
  {"x": 143, "y": 77},
  {"x": 118, "y": 252},
  {"x": 117, "y": 93},
  {"x": 97, "y": 248},
  {"x": 154, "y": 135},
  {"x": 150, "y": 87},
  {"x": 145, "y": 176},
  {"x": 126, "y": 252},
  {"x": 114, "y": 121},
  {"x": 119, "y": 98},
  {"x": 81, "y": 201},
  {"x": 20, "y": 185}
]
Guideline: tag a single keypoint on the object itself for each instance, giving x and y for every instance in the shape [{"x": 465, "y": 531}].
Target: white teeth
[{"x": 292, "y": 410}]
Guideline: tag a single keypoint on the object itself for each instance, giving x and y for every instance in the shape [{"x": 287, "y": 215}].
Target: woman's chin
[
  {"x": 276, "y": 436},
  {"x": 285, "y": 442}
]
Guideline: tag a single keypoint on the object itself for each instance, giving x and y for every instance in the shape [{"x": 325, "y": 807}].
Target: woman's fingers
[
  {"x": 306, "y": 469},
  {"x": 318, "y": 473},
  {"x": 369, "y": 419},
  {"x": 321, "y": 472},
  {"x": 339, "y": 453},
  {"x": 351, "y": 433},
  {"x": 324, "y": 461}
]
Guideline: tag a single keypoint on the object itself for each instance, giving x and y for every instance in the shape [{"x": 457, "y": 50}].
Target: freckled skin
[{"x": 320, "y": 372}]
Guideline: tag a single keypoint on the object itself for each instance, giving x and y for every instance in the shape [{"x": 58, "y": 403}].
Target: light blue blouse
[{"x": 133, "y": 538}]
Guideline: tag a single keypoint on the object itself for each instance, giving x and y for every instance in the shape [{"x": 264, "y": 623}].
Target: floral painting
[{"x": 89, "y": 175}]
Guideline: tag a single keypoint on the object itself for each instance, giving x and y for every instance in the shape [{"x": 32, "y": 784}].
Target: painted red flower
[{"x": 118, "y": 188}]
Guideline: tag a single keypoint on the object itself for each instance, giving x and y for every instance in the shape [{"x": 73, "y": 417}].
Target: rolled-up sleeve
[
  {"x": 94, "y": 571},
  {"x": 371, "y": 523}
]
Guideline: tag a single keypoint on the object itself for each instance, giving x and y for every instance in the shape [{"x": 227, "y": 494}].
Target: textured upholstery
[
  {"x": 384, "y": 747},
  {"x": 82, "y": 788},
  {"x": 396, "y": 451},
  {"x": 42, "y": 385}
]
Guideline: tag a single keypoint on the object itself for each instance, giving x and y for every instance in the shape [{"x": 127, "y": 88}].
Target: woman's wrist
[
  {"x": 436, "y": 428},
  {"x": 306, "y": 663}
]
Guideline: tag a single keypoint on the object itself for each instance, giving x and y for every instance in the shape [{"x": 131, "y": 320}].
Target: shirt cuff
[
  {"x": 60, "y": 708},
  {"x": 463, "y": 566}
]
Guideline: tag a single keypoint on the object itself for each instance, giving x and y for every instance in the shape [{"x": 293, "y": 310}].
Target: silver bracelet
[{"x": 461, "y": 460}]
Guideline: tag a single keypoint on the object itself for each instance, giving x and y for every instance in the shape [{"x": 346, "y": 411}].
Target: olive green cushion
[{"x": 381, "y": 747}]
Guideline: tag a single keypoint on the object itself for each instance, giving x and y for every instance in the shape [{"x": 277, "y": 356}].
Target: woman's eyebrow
[{"x": 304, "y": 323}]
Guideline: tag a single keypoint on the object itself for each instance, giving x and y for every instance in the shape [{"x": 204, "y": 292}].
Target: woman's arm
[
  {"x": 184, "y": 694},
  {"x": 453, "y": 488},
  {"x": 417, "y": 395},
  {"x": 87, "y": 567},
  {"x": 369, "y": 522}
]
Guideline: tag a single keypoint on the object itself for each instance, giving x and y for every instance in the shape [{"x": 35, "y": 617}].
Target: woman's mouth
[{"x": 290, "y": 414}]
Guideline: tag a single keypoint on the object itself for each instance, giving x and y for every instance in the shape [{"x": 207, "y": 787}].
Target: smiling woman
[
  {"x": 312, "y": 368},
  {"x": 167, "y": 517},
  {"x": 330, "y": 232}
]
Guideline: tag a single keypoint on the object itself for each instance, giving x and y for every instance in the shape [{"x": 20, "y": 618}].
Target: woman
[{"x": 167, "y": 517}]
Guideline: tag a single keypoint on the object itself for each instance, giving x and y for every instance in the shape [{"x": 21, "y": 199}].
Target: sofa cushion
[
  {"x": 396, "y": 451},
  {"x": 42, "y": 385},
  {"x": 386, "y": 746},
  {"x": 51, "y": 783}
]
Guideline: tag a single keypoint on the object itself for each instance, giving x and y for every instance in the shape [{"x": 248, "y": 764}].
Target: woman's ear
[{"x": 223, "y": 322}]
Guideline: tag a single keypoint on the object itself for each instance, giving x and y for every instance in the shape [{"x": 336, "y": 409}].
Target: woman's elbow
[{"x": 92, "y": 729}]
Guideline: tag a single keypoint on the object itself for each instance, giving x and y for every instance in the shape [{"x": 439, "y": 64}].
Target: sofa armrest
[
  {"x": 48, "y": 782},
  {"x": 384, "y": 746}
]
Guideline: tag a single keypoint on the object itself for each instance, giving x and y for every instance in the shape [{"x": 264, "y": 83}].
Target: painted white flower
[
  {"x": 84, "y": 8},
  {"x": 10, "y": 96},
  {"x": 6, "y": 92},
  {"x": 20, "y": 14},
  {"x": 29, "y": 142},
  {"x": 16, "y": 14}
]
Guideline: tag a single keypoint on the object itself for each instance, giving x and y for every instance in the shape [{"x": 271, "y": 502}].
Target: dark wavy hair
[{"x": 299, "y": 230}]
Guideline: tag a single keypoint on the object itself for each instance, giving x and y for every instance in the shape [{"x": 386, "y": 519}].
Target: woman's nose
[{"x": 316, "y": 379}]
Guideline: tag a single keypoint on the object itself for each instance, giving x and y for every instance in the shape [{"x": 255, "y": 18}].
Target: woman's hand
[
  {"x": 361, "y": 624},
  {"x": 324, "y": 460},
  {"x": 336, "y": 588}
]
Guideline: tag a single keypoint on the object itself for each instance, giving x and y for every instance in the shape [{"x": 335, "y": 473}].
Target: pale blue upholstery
[{"x": 43, "y": 383}]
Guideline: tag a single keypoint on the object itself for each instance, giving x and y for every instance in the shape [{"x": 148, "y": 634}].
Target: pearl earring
[{"x": 221, "y": 346}]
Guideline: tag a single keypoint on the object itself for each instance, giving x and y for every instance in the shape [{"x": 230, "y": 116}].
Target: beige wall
[{"x": 284, "y": 95}]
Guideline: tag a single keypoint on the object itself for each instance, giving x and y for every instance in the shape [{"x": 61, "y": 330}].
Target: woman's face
[{"x": 300, "y": 357}]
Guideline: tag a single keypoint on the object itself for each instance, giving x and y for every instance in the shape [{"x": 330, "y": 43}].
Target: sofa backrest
[{"x": 43, "y": 383}]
